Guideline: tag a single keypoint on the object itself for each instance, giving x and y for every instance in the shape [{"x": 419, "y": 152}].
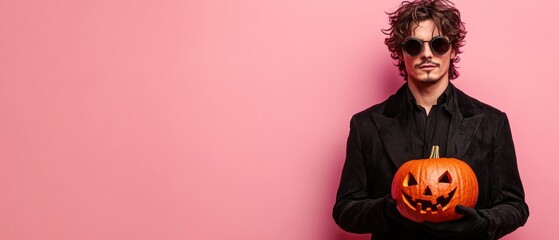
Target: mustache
[{"x": 426, "y": 62}]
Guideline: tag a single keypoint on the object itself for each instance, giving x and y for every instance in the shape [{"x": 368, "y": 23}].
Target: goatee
[{"x": 428, "y": 80}]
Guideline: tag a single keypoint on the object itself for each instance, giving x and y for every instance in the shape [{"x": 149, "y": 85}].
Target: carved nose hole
[{"x": 427, "y": 192}]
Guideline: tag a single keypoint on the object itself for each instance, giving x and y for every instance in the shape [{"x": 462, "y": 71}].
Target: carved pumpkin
[{"x": 429, "y": 189}]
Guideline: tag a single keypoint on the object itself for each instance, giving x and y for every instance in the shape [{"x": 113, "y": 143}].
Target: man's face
[{"x": 427, "y": 67}]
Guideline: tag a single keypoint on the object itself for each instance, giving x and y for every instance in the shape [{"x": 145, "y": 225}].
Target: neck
[{"x": 426, "y": 94}]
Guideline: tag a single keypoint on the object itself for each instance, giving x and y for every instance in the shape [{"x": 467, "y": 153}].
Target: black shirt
[{"x": 424, "y": 130}]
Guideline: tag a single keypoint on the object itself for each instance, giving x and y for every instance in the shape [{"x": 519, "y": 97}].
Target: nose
[
  {"x": 426, "y": 53},
  {"x": 427, "y": 192}
]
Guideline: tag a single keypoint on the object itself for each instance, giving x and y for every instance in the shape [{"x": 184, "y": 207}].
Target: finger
[
  {"x": 465, "y": 210},
  {"x": 389, "y": 200},
  {"x": 460, "y": 209}
]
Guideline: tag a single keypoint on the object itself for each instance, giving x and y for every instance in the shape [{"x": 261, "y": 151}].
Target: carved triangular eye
[
  {"x": 411, "y": 180},
  {"x": 445, "y": 178}
]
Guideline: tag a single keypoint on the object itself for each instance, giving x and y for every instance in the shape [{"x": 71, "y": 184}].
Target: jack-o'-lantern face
[
  {"x": 430, "y": 189},
  {"x": 424, "y": 200}
]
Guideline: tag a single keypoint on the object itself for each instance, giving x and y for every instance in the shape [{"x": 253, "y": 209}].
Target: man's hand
[
  {"x": 471, "y": 225},
  {"x": 395, "y": 220}
]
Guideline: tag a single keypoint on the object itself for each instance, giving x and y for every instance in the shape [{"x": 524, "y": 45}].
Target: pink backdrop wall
[{"x": 228, "y": 119}]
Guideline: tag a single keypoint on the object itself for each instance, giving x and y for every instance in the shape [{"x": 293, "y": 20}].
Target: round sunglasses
[{"x": 413, "y": 46}]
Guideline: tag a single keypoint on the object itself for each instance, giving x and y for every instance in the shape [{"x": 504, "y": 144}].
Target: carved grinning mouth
[{"x": 433, "y": 205}]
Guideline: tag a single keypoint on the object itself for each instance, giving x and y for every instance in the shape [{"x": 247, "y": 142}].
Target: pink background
[{"x": 228, "y": 119}]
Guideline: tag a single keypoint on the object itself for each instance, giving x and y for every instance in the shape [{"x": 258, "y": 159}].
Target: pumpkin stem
[{"x": 434, "y": 152}]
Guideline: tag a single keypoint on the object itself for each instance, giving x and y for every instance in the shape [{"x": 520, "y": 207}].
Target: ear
[{"x": 452, "y": 53}]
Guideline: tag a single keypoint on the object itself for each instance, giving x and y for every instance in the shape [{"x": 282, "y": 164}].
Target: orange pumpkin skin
[{"x": 429, "y": 189}]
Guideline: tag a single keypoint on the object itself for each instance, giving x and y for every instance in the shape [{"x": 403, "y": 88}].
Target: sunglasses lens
[
  {"x": 412, "y": 47},
  {"x": 440, "y": 45}
]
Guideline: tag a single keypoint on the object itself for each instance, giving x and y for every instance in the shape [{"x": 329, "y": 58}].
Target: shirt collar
[{"x": 446, "y": 97}]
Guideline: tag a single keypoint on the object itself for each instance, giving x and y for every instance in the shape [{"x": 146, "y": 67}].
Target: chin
[{"x": 426, "y": 79}]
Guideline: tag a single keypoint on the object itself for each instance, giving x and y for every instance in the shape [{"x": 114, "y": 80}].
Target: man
[{"x": 425, "y": 38}]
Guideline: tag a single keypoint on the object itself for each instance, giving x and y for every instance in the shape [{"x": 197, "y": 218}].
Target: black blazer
[{"x": 479, "y": 135}]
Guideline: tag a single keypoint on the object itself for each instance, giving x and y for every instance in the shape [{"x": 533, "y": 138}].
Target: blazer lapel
[
  {"x": 392, "y": 128},
  {"x": 460, "y": 134},
  {"x": 394, "y": 137},
  {"x": 466, "y": 119}
]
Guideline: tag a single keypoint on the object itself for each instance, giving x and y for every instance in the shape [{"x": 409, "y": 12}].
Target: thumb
[
  {"x": 389, "y": 200},
  {"x": 461, "y": 209}
]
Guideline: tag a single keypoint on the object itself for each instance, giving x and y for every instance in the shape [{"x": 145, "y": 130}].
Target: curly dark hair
[{"x": 445, "y": 16}]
